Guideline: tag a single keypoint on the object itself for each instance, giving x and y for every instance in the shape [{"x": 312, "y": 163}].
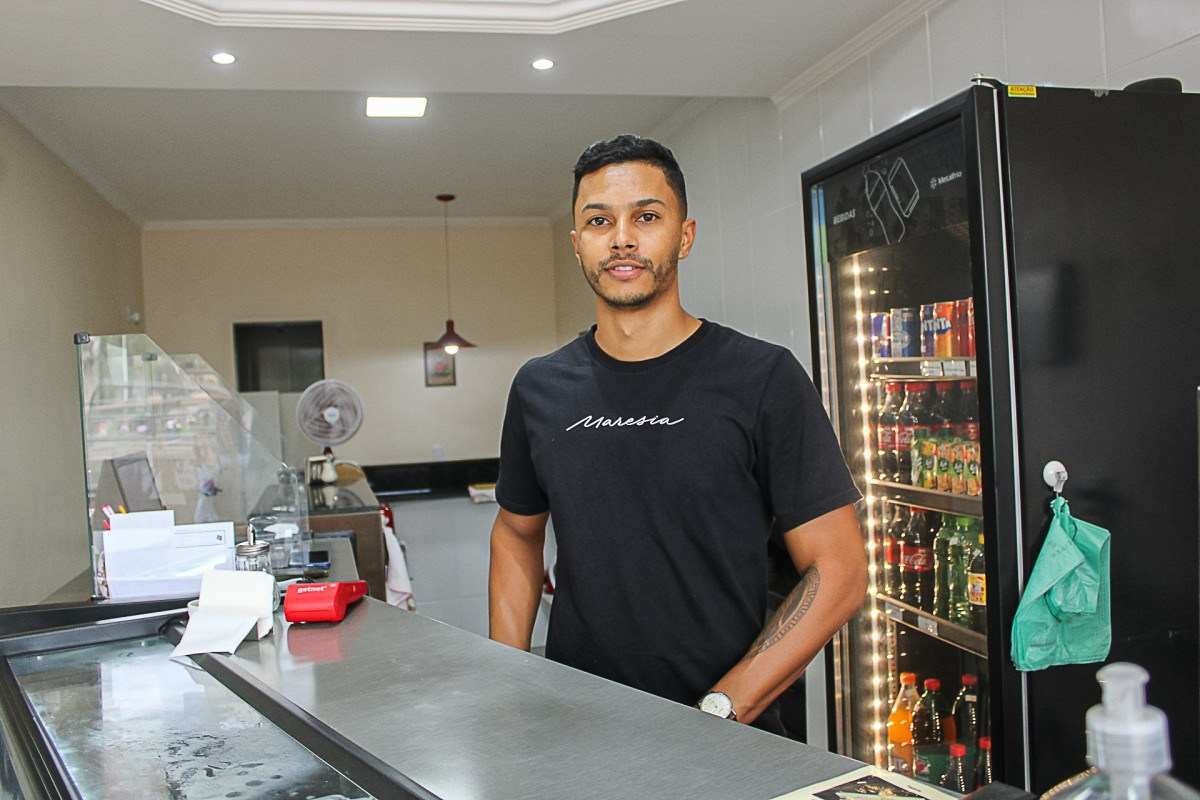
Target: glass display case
[
  {"x": 103, "y": 712},
  {"x": 893, "y": 254},
  {"x": 167, "y": 434}
]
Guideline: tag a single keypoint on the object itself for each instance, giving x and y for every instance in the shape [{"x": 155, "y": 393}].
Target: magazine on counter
[{"x": 869, "y": 783}]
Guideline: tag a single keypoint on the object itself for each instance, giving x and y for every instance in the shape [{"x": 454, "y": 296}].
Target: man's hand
[
  {"x": 515, "y": 577},
  {"x": 828, "y": 551}
]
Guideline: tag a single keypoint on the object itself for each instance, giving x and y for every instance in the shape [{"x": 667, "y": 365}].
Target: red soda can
[
  {"x": 971, "y": 327},
  {"x": 963, "y": 327},
  {"x": 943, "y": 329}
]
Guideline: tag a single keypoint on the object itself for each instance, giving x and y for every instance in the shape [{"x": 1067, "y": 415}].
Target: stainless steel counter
[{"x": 469, "y": 719}]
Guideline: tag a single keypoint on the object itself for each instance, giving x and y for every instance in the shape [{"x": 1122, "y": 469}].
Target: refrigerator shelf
[
  {"x": 930, "y": 499},
  {"x": 943, "y": 630},
  {"x": 887, "y": 377},
  {"x": 919, "y": 359}
]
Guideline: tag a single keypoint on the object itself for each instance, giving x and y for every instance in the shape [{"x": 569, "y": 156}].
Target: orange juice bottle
[{"x": 899, "y": 726}]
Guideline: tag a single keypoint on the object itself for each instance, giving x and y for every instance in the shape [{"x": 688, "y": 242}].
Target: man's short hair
[{"x": 628, "y": 147}]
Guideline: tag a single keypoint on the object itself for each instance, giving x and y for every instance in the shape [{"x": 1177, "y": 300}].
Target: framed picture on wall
[{"x": 439, "y": 366}]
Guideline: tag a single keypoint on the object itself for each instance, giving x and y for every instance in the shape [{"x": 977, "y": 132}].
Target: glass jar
[{"x": 256, "y": 557}]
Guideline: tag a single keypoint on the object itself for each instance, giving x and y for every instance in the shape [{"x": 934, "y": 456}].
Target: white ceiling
[
  {"x": 199, "y": 154},
  {"x": 151, "y": 121}
]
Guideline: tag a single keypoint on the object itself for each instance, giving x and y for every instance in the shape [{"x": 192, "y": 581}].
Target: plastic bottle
[
  {"x": 916, "y": 560},
  {"x": 928, "y": 731},
  {"x": 913, "y": 421},
  {"x": 1127, "y": 745},
  {"x": 886, "y": 465},
  {"x": 891, "y": 549},
  {"x": 941, "y": 567},
  {"x": 960, "y": 607},
  {"x": 983, "y": 762},
  {"x": 977, "y": 587},
  {"x": 899, "y": 726},
  {"x": 965, "y": 710},
  {"x": 955, "y": 778}
]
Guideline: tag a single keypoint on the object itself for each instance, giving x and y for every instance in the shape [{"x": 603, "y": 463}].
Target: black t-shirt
[{"x": 663, "y": 478}]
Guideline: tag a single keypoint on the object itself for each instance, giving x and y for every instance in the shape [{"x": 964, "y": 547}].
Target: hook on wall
[{"x": 1055, "y": 476}]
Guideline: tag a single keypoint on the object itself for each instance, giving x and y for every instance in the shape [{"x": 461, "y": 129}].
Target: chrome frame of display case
[
  {"x": 41, "y": 771},
  {"x": 839, "y": 722}
]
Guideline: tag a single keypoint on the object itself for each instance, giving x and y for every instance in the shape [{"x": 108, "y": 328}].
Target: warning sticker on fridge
[
  {"x": 869, "y": 783},
  {"x": 1022, "y": 90}
]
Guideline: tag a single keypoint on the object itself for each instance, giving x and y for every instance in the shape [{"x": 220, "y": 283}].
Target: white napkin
[{"x": 232, "y": 605}]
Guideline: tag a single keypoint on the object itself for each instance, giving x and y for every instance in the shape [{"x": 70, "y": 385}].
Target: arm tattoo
[{"x": 790, "y": 612}]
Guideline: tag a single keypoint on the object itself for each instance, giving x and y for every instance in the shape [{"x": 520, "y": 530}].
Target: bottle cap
[
  {"x": 985, "y": 743},
  {"x": 908, "y": 679},
  {"x": 892, "y": 386},
  {"x": 932, "y": 684},
  {"x": 967, "y": 384},
  {"x": 958, "y": 749},
  {"x": 969, "y": 680},
  {"x": 918, "y": 386},
  {"x": 1124, "y": 735},
  {"x": 945, "y": 387}
]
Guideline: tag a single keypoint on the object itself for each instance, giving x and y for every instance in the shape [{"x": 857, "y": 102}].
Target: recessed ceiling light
[
  {"x": 396, "y": 106},
  {"x": 224, "y": 59},
  {"x": 543, "y": 64}
]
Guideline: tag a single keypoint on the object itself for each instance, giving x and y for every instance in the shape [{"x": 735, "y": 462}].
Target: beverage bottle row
[
  {"x": 935, "y": 562},
  {"x": 936, "y": 741},
  {"x": 926, "y": 440}
]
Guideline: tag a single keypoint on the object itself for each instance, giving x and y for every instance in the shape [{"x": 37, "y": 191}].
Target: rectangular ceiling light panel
[{"x": 396, "y": 106}]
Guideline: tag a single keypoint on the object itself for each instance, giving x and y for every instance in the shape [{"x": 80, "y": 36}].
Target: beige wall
[
  {"x": 574, "y": 301},
  {"x": 379, "y": 292},
  {"x": 68, "y": 261}
]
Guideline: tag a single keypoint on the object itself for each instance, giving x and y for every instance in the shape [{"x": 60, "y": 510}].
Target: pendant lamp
[{"x": 450, "y": 341}]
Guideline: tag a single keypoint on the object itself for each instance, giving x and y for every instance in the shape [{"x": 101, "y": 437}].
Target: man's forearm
[
  {"x": 829, "y": 594},
  {"x": 514, "y": 585}
]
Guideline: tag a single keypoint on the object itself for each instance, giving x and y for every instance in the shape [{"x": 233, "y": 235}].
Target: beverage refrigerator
[{"x": 1007, "y": 279}]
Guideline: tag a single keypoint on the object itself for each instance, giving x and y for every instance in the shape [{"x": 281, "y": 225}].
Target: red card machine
[{"x": 321, "y": 602}]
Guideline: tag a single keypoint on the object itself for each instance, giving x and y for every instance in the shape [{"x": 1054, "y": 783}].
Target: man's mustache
[{"x": 644, "y": 262}]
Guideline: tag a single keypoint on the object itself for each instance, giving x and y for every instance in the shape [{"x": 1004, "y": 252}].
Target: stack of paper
[{"x": 147, "y": 555}]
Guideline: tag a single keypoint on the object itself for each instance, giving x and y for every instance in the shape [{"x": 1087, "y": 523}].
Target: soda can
[
  {"x": 881, "y": 334},
  {"x": 906, "y": 337},
  {"x": 964, "y": 327},
  {"x": 928, "y": 312},
  {"x": 971, "y": 327},
  {"x": 943, "y": 330}
]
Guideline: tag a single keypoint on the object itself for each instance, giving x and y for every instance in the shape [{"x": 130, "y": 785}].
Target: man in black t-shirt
[{"x": 667, "y": 448}]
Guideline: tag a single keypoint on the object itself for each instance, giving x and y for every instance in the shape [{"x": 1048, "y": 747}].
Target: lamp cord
[{"x": 446, "y": 251}]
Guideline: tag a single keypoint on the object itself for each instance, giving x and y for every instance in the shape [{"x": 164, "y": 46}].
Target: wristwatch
[{"x": 718, "y": 704}]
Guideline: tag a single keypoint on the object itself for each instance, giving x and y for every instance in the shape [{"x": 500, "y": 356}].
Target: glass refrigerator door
[{"x": 895, "y": 306}]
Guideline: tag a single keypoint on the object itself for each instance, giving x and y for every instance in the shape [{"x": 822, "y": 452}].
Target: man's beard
[{"x": 660, "y": 276}]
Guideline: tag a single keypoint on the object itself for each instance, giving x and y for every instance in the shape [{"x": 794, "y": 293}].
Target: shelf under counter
[
  {"x": 933, "y": 626},
  {"x": 930, "y": 499}
]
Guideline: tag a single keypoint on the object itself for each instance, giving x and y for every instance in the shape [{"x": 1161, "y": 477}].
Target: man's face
[{"x": 630, "y": 233}]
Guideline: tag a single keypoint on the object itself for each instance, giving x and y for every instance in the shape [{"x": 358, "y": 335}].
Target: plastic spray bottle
[{"x": 1127, "y": 745}]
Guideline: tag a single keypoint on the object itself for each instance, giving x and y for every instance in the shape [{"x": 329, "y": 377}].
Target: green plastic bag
[{"x": 1064, "y": 616}]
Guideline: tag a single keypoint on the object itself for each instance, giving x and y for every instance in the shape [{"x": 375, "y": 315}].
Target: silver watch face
[{"x": 718, "y": 704}]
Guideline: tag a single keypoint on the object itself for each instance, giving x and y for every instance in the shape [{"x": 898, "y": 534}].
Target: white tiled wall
[{"x": 743, "y": 157}]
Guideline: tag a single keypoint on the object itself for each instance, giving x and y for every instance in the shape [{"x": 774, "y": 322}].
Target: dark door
[{"x": 1105, "y": 246}]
